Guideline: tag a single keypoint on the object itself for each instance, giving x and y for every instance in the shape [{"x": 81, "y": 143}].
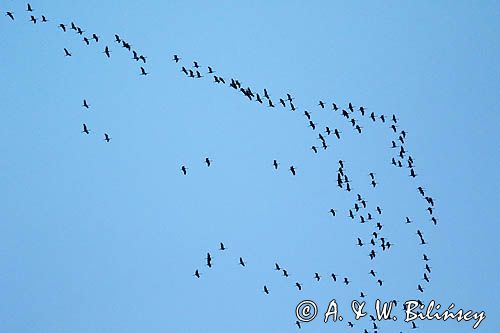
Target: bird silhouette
[
  {"x": 275, "y": 164},
  {"x": 107, "y": 52},
  {"x": 85, "y": 129}
]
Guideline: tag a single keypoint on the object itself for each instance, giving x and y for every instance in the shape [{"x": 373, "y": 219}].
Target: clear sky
[{"x": 106, "y": 237}]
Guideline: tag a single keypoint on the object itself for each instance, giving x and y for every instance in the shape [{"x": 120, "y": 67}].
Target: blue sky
[{"x": 105, "y": 237}]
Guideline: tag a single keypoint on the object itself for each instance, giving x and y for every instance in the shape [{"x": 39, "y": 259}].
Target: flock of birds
[{"x": 360, "y": 211}]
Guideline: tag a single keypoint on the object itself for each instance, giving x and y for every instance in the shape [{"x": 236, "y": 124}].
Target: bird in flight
[
  {"x": 67, "y": 53},
  {"x": 85, "y": 129},
  {"x": 208, "y": 161},
  {"x": 275, "y": 164},
  {"x": 143, "y": 71},
  {"x": 184, "y": 170},
  {"x": 266, "y": 290},
  {"x": 209, "y": 260},
  {"x": 197, "y": 274},
  {"x": 29, "y": 9},
  {"x": 292, "y": 170},
  {"x": 10, "y": 14},
  {"x": 106, "y": 137},
  {"x": 242, "y": 263},
  {"x": 85, "y": 104}
]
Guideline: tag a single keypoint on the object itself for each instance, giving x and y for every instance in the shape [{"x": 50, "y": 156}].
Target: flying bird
[
  {"x": 275, "y": 164},
  {"x": 85, "y": 129},
  {"x": 107, "y": 52}
]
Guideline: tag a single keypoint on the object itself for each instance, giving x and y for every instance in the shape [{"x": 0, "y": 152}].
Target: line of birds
[{"x": 86, "y": 39}]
